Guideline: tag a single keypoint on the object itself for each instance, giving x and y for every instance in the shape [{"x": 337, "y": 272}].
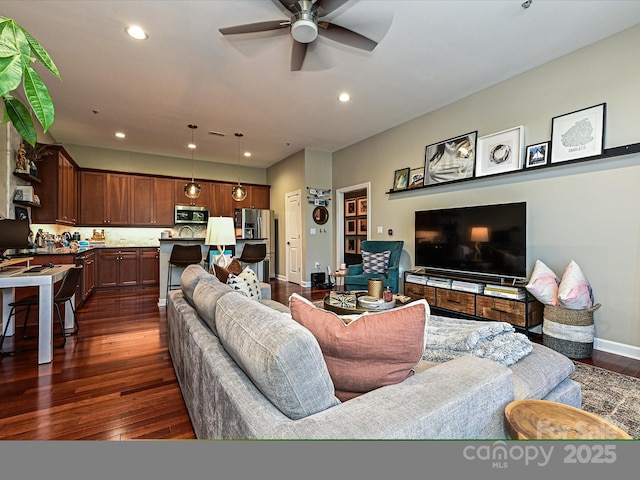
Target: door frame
[
  {"x": 286, "y": 234},
  {"x": 340, "y": 193}
]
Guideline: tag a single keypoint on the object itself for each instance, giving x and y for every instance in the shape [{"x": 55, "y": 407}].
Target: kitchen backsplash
[{"x": 126, "y": 236}]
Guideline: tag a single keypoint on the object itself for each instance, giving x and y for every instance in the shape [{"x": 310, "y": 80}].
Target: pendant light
[
  {"x": 192, "y": 189},
  {"x": 238, "y": 192}
]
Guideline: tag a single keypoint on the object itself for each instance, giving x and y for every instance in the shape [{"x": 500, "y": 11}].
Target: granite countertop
[
  {"x": 71, "y": 251},
  {"x": 182, "y": 239}
]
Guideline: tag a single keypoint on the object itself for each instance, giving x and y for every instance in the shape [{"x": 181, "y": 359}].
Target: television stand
[{"x": 474, "y": 299}]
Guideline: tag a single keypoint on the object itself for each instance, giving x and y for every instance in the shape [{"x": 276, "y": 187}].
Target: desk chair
[
  {"x": 252, "y": 254},
  {"x": 182, "y": 256},
  {"x": 65, "y": 292}
]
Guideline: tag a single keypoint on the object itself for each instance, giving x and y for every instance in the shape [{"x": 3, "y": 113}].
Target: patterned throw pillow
[
  {"x": 223, "y": 273},
  {"x": 375, "y": 262},
  {"x": 246, "y": 283}
]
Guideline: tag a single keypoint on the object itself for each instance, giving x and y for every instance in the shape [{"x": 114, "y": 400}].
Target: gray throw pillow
[{"x": 375, "y": 262}]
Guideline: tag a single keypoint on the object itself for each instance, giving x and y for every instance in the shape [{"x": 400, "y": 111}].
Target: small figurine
[{"x": 22, "y": 163}]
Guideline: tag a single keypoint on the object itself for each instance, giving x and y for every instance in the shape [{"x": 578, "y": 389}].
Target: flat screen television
[
  {"x": 14, "y": 234},
  {"x": 484, "y": 240}
]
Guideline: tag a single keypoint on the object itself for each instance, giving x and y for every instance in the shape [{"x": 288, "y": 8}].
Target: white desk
[{"x": 12, "y": 278}]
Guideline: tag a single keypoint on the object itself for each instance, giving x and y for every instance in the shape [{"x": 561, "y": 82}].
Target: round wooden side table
[{"x": 543, "y": 419}]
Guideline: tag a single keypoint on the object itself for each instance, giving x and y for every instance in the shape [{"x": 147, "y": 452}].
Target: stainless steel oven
[{"x": 191, "y": 214}]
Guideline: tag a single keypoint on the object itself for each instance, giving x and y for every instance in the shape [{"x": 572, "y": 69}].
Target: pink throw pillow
[
  {"x": 574, "y": 291},
  {"x": 371, "y": 351},
  {"x": 543, "y": 284}
]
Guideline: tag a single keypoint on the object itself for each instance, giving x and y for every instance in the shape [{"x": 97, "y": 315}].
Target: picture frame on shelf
[
  {"x": 350, "y": 227},
  {"x": 362, "y": 226},
  {"x": 362, "y": 206},
  {"x": 578, "y": 134},
  {"x": 401, "y": 179},
  {"x": 537, "y": 155},
  {"x": 451, "y": 160},
  {"x": 416, "y": 178},
  {"x": 500, "y": 152},
  {"x": 350, "y": 207},
  {"x": 350, "y": 245},
  {"x": 22, "y": 213}
]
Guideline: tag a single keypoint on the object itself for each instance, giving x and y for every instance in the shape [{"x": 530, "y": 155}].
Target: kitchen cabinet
[
  {"x": 87, "y": 260},
  {"x": 181, "y": 199},
  {"x": 58, "y": 189},
  {"x": 105, "y": 198},
  {"x": 149, "y": 266},
  {"x": 258, "y": 196},
  {"x": 153, "y": 201},
  {"x": 117, "y": 267}
]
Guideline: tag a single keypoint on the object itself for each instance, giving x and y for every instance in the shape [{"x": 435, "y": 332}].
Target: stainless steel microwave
[{"x": 191, "y": 214}]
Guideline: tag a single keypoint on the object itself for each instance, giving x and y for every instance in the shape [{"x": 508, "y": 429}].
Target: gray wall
[{"x": 587, "y": 212}]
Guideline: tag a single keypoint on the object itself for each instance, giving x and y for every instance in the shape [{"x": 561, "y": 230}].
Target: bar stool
[
  {"x": 252, "y": 254},
  {"x": 182, "y": 256}
]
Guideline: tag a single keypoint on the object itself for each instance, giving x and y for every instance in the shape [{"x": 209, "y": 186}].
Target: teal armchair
[{"x": 356, "y": 279}]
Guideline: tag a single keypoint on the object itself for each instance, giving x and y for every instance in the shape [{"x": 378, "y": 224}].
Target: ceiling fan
[{"x": 305, "y": 26}]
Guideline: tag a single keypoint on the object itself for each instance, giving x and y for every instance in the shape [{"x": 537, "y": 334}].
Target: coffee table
[
  {"x": 348, "y": 309},
  {"x": 543, "y": 419}
]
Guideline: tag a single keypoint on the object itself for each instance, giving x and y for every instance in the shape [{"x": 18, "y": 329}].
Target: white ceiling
[{"x": 430, "y": 54}]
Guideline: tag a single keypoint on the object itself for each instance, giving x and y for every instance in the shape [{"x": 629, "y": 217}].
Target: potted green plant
[{"x": 18, "y": 50}]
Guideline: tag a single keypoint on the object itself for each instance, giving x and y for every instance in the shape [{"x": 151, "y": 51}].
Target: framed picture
[
  {"x": 350, "y": 227},
  {"x": 359, "y": 245},
  {"x": 350, "y": 207},
  {"x": 22, "y": 213},
  {"x": 578, "y": 134},
  {"x": 401, "y": 179},
  {"x": 537, "y": 155},
  {"x": 362, "y": 206},
  {"x": 450, "y": 160},
  {"x": 500, "y": 152},
  {"x": 362, "y": 226},
  {"x": 350, "y": 245},
  {"x": 416, "y": 177}
]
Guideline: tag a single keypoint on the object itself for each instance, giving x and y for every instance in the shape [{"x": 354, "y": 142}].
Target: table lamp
[
  {"x": 479, "y": 234},
  {"x": 220, "y": 232}
]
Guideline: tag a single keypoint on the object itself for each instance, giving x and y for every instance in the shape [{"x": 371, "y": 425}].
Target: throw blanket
[{"x": 448, "y": 338}]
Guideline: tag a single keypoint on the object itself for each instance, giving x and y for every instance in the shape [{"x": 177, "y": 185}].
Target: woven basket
[{"x": 570, "y": 332}]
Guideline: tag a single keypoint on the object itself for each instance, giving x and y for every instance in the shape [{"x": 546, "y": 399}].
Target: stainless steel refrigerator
[{"x": 258, "y": 226}]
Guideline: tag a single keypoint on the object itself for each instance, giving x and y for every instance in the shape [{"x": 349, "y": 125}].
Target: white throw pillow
[
  {"x": 246, "y": 283},
  {"x": 574, "y": 291},
  {"x": 543, "y": 284}
]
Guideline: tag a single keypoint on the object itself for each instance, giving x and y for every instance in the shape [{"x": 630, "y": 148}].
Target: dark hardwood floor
[{"x": 115, "y": 380}]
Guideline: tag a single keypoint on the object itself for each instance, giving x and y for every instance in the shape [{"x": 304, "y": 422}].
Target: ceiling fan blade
[
  {"x": 346, "y": 36},
  {"x": 256, "y": 27},
  {"x": 298, "y": 52},
  {"x": 325, "y": 7},
  {"x": 288, "y": 4}
]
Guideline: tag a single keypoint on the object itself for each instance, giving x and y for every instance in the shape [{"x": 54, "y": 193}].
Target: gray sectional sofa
[{"x": 247, "y": 370}]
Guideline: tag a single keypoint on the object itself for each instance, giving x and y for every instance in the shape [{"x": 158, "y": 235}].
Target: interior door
[{"x": 293, "y": 235}]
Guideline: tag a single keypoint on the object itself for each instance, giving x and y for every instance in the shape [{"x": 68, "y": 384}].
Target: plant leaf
[
  {"x": 21, "y": 119},
  {"x": 41, "y": 54},
  {"x": 38, "y": 97},
  {"x": 10, "y": 74}
]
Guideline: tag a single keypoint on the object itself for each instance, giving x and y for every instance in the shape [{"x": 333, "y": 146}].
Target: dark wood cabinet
[
  {"x": 523, "y": 313},
  {"x": 153, "y": 201},
  {"x": 87, "y": 260},
  {"x": 105, "y": 198},
  {"x": 222, "y": 205},
  {"x": 117, "y": 267},
  {"x": 260, "y": 196},
  {"x": 149, "y": 266},
  {"x": 58, "y": 189}
]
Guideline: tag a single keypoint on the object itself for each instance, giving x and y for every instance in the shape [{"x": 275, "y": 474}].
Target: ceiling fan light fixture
[{"x": 304, "y": 30}]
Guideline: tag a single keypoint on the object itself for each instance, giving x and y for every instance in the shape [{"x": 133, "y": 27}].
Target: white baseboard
[{"x": 617, "y": 348}]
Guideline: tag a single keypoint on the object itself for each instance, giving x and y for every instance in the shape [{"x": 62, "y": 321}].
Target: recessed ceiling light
[
  {"x": 120, "y": 134},
  {"x": 344, "y": 97},
  {"x": 247, "y": 154},
  {"x": 192, "y": 145},
  {"x": 134, "y": 31}
]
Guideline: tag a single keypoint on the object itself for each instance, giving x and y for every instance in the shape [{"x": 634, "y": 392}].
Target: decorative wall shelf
[
  {"x": 608, "y": 153},
  {"x": 27, "y": 177},
  {"x": 26, "y": 204}
]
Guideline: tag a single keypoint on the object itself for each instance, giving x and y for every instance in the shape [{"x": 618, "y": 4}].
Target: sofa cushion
[
  {"x": 375, "y": 262},
  {"x": 190, "y": 277},
  {"x": 223, "y": 273},
  {"x": 372, "y": 350},
  {"x": 246, "y": 283},
  {"x": 282, "y": 358},
  {"x": 207, "y": 293}
]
